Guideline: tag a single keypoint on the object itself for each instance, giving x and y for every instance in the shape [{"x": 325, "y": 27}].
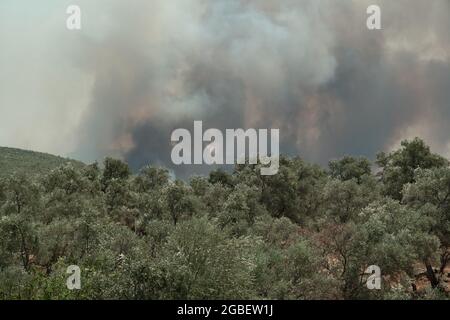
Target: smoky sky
[{"x": 140, "y": 69}]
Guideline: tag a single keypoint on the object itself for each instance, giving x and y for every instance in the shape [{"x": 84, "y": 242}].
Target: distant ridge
[{"x": 30, "y": 162}]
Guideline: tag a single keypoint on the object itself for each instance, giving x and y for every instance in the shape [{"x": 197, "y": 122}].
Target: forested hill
[
  {"x": 304, "y": 233},
  {"x": 30, "y": 162}
]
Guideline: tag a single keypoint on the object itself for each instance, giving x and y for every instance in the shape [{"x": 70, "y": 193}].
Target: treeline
[{"x": 305, "y": 233}]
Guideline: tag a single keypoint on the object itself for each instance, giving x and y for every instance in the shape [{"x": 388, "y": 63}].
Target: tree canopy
[{"x": 306, "y": 233}]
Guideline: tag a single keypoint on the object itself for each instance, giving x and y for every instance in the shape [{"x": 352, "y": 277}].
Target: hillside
[
  {"x": 30, "y": 162},
  {"x": 306, "y": 233}
]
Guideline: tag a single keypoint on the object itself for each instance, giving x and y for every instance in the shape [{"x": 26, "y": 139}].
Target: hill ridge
[{"x": 16, "y": 160}]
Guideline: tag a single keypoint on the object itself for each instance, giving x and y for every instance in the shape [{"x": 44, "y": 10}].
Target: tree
[
  {"x": 22, "y": 195},
  {"x": 114, "y": 169},
  {"x": 336, "y": 243},
  {"x": 68, "y": 192},
  {"x": 349, "y": 168},
  {"x": 398, "y": 166},
  {"x": 289, "y": 264},
  {"x": 396, "y": 236},
  {"x": 179, "y": 200},
  {"x": 56, "y": 239},
  {"x": 202, "y": 262},
  {"x": 430, "y": 195},
  {"x": 295, "y": 191},
  {"x": 151, "y": 178},
  {"x": 117, "y": 195},
  {"x": 342, "y": 201},
  {"x": 19, "y": 238},
  {"x": 211, "y": 197},
  {"x": 240, "y": 209},
  {"x": 93, "y": 173},
  {"x": 220, "y": 176}
]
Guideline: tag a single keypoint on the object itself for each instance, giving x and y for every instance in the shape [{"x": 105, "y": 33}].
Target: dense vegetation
[
  {"x": 29, "y": 162},
  {"x": 305, "y": 233}
]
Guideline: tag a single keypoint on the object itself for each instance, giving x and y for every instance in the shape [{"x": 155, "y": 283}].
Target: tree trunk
[
  {"x": 445, "y": 257},
  {"x": 431, "y": 275}
]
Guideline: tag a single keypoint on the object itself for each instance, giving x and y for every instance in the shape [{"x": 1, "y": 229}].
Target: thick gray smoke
[{"x": 310, "y": 68}]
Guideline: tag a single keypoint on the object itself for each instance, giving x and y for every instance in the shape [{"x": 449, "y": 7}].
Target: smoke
[{"x": 310, "y": 68}]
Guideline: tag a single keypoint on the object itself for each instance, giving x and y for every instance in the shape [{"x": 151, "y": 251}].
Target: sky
[{"x": 139, "y": 69}]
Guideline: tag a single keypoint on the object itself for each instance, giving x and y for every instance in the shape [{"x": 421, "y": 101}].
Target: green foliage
[
  {"x": 240, "y": 209},
  {"x": 295, "y": 191},
  {"x": 220, "y": 176},
  {"x": 204, "y": 263},
  {"x": 399, "y": 166},
  {"x": 180, "y": 201},
  {"x": 349, "y": 168},
  {"x": 430, "y": 196},
  {"x": 397, "y": 236},
  {"x": 305, "y": 233},
  {"x": 114, "y": 170},
  {"x": 151, "y": 178},
  {"x": 29, "y": 162},
  {"x": 343, "y": 200}
]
